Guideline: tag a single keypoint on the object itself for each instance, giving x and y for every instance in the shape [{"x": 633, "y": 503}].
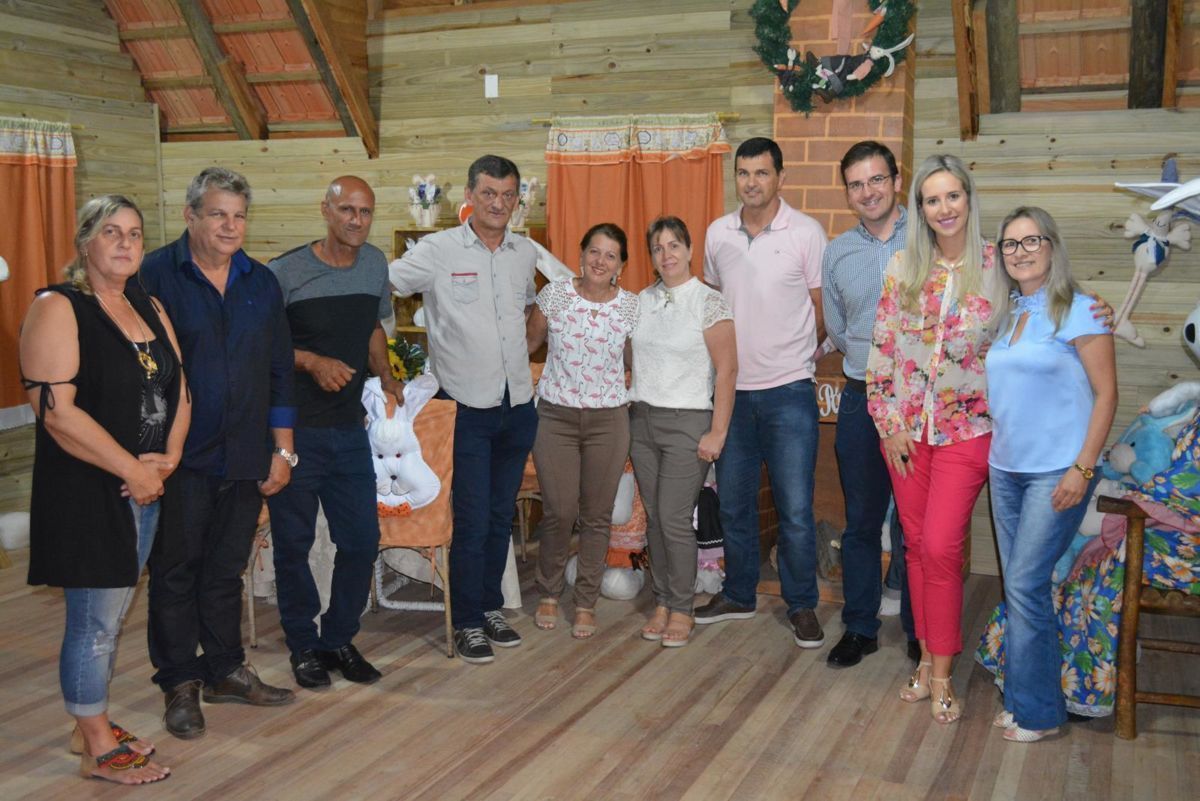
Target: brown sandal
[
  {"x": 653, "y": 630},
  {"x": 122, "y": 765},
  {"x": 546, "y": 620},
  {"x": 679, "y": 630},
  {"x": 122, "y": 736},
  {"x": 583, "y": 631}
]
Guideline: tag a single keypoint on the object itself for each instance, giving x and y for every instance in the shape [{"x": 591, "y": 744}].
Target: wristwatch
[
  {"x": 1088, "y": 473},
  {"x": 292, "y": 459}
]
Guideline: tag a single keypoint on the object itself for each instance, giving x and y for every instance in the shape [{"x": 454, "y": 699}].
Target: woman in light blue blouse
[{"x": 1052, "y": 392}]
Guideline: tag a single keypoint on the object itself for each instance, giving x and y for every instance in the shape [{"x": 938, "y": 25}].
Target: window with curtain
[
  {"x": 37, "y": 204},
  {"x": 628, "y": 170}
]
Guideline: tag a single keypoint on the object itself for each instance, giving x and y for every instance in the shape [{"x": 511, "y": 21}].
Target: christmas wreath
[{"x": 831, "y": 77}]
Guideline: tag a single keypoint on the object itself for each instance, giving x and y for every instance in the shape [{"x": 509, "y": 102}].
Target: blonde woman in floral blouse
[
  {"x": 583, "y": 420},
  {"x": 927, "y": 393}
]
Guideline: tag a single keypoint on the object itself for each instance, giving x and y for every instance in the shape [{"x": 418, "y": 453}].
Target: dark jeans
[
  {"x": 490, "y": 449},
  {"x": 206, "y": 529},
  {"x": 897, "y": 575},
  {"x": 866, "y": 488},
  {"x": 336, "y": 470},
  {"x": 777, "y": 426}
]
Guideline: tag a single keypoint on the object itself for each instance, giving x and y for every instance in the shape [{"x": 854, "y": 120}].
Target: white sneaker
[{"x": 889, "y": 604}]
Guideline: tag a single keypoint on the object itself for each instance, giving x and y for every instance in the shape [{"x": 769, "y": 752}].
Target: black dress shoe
[
  {"x": 183, "y": 717},
  {"x": 350, "y": 663},
  {"x": 914, "y": 651},
  {"x": 307, "y": 669},
  {"x": 851, "y": 649},
  {"x": 243, "y": 686}
]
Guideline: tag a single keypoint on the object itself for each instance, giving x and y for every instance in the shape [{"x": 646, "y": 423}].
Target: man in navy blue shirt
[{"x": 237, "y": 353}]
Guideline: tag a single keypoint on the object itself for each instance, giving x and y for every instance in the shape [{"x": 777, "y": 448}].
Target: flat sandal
[
  {"x": 916, "y": 690},
  {"x": 583, "y": 631},
  {"x": 121, "y": 735},
  {"x": 544, "y": 621},
  {"x": 944, "y": 706}
]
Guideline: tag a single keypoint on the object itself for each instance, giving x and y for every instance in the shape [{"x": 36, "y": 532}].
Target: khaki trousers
[
  {"x": 580, "y": 455},
  {"x": 669, "y": 474}
]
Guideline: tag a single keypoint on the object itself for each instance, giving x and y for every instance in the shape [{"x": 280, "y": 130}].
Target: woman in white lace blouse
[
  {"x": 583, "y": 420},
  {"x": 684, "y": 369}
]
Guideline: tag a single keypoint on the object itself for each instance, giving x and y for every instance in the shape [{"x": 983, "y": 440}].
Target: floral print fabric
[
  {"x": 585, "y": 367},
  {"x": 925, "y": 370},
  {"x": 1089, "y": 604}
]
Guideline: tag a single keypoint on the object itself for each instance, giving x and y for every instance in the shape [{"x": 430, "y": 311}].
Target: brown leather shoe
[
  {"x": 183, "y": 717},
  {"x": 243, "y": 686},
  {"x": 806, "y": 629}
]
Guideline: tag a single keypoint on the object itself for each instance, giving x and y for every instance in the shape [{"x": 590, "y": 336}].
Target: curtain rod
[{"x": 723, "y": 116}]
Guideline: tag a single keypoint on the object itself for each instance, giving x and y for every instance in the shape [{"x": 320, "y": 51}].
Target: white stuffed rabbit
[{"x": 401, "y": 475}]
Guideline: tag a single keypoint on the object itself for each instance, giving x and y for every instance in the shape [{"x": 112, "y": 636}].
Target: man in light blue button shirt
[{"x": 852, "y": 277}]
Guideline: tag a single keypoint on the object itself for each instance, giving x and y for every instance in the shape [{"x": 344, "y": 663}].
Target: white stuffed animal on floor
[{"x": 401, "y": 475}]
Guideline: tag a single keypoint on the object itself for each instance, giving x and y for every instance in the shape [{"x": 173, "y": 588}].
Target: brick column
[{"x": 813, "y": 145}]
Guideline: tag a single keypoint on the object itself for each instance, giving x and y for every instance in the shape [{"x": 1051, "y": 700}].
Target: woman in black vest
[{"x": 101, "y": 366}]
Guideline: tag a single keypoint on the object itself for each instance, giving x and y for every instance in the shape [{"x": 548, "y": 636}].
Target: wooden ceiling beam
[
  {"x": 160, "y": 32},
  {"x": 349, "y": 97},
  {"x": 1170, "y": 95},
  {"x": 245, "y": 110},
  {"x": 219, "y": 28},
  {"x": 964, "y": 67},
  {"x": 1147, "y": 46},
  {"x": 180, "y": 82},
  {"x": 1003, "y": 48},
  {"x": 290, "y": 76}
]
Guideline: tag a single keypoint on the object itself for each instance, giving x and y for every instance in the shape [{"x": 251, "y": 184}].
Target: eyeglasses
[
  {"x": 875, "y": 181},
  {"x": 1030, "y": 244}
]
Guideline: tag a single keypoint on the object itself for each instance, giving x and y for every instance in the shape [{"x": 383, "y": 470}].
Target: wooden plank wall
[
  {"x": 590, "y": 57},
  {"x": 1067, "y": 163},
  {"x": 61, "y": 60}
]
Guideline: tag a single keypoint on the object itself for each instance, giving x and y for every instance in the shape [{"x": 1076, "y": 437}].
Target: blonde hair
[
  {"x": 1060, "y": 286},
  {"x": 91, "y": 219},
  {"x": 921, "y": 241}
]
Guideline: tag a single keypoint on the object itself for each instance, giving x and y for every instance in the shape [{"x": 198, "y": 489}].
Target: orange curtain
[
  {"x": 629, "y": 170},
  {"x": 37, "y": 205}
]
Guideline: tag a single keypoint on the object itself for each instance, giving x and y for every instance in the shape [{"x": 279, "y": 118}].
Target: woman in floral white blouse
[
  {"x": 583, "y": 420},
  {"x": 927, "y": 393}
]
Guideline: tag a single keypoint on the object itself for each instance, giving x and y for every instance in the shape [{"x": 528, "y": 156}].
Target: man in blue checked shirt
[
  {"x": 852, "y": 278},
  {"x": 237, "y": 352}
]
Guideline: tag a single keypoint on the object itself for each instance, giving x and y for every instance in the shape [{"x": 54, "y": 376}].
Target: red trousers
[{"x": 935, "y": 501}]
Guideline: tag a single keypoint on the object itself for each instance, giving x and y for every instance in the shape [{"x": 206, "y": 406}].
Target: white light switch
[{"x": 491, "y": 86}]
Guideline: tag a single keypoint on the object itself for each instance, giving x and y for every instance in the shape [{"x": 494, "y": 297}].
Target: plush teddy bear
[
  {"x": 1145, "y": 447},
  {"x": 402, "y": 479}
]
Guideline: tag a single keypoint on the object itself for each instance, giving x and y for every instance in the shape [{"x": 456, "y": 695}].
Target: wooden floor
[{"x": 741, "y": 713}]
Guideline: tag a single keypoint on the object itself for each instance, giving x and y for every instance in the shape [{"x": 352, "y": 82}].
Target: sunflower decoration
[
  {"x": 407, "y": 359},
  {"x": 836, "y": 77}
]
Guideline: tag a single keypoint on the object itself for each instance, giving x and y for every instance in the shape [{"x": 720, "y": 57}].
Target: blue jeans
[
  {"x": 897, "y": 575},
  {"x": 866, "y": 488},
  {"x": 1031, "y": 537},
  {"x": 777, "y": 426},
  {"x": 490, "y": 449},
  {"x": 89, "y": 647},
  {"x": 336, "y": 469}
]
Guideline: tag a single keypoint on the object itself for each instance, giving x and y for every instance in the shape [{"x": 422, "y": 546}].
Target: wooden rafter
[
  {"x": 964, "y": 56},
  {"x": 1171, "y": 53},
  {"x": 1004, "y": 67},
  {"x": 219, "y": 28},
  {"x": 349, "y": 97},
  {"x": 1147, "y": 45},
  {"x": 244, "y": 108}
]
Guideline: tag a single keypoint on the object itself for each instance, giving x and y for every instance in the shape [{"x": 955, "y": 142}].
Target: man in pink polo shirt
[{"x": 765, "y": 258}]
